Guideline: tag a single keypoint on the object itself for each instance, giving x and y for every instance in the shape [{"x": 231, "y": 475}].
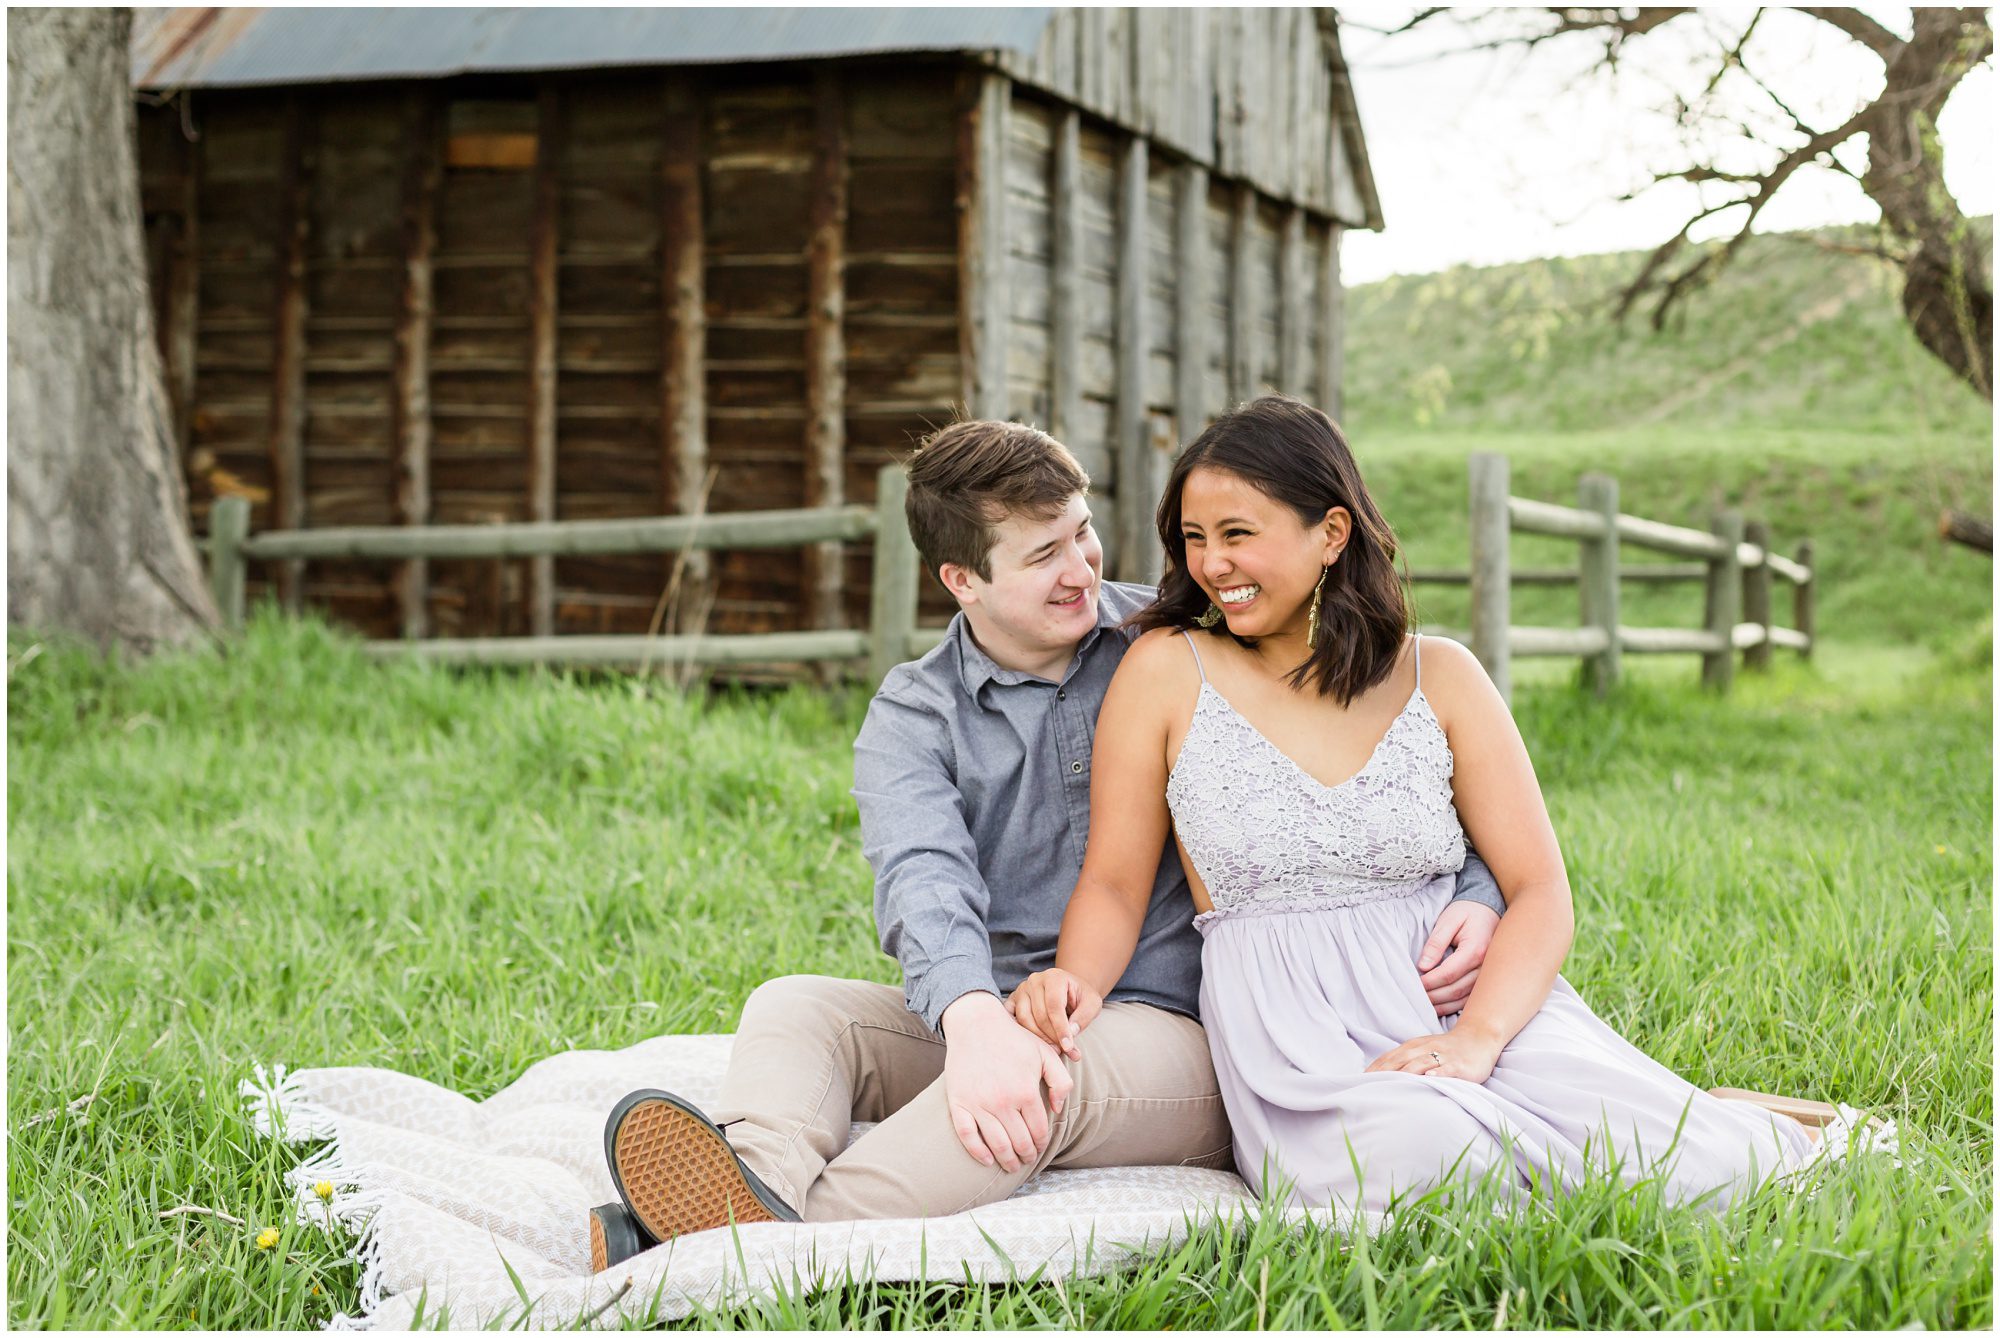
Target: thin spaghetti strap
[
  {"x": 1197, "y": 655},
  {"x": 1418, "y": 654}
]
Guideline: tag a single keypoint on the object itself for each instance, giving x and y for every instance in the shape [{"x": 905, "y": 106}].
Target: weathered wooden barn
[{"x": 461, "y": 265}]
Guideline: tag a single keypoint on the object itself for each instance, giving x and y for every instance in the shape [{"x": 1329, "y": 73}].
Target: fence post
[
  {"x": 892, "y": 613},
  {"x": 228, "y": 526},
  {"x": 1802, "y": 597},
  {"x": 1598, "y": 579},
  {"x": 1757, "y": 596},
  {"x": 1724, "y": 602},
  {"x": 1489, "y": 527}
]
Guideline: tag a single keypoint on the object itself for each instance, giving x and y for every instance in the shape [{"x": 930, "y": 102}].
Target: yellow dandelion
[
  {"x": 316, "y": 1291},
  {"x": 268, "y": 1238},
  {"x": 324, "y": 1189},
  {"x": 1940, "y": 850}
]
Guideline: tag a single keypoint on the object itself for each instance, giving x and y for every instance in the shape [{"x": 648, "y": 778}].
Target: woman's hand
[
  {"x": 1056, "y": 1006},
  {"x": 1451, "y": 1054}
]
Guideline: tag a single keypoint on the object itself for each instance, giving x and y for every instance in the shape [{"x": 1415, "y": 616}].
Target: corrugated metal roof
[{"x": 221, "y": 47}]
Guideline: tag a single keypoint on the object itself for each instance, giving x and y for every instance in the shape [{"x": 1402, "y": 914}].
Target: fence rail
[
  {"x": 1738, "y": 565},
  {"x": 891, "y": 638},
  {"x": 1735, "y": 561}
]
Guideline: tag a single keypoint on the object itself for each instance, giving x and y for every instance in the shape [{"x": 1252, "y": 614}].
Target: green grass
[
  {"x": 289, "y": 853},
  {"x": 292, "y": 854},
  {"x": 1790, "y": 334}
]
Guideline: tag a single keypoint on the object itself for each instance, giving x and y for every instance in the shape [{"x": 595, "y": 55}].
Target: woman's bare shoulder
[
  {"x": 1159, "y": 658},
  {"x": 1453, "y": 678}
]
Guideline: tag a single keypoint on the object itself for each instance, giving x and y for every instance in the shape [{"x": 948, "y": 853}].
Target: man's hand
[
  {"x": 993, "y": 1074},
  {"x": 1453, "y": 953},
  {"x": 1056, "y": 1006}
]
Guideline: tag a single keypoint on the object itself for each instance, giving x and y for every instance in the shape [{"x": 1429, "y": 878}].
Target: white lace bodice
[{"x": 1266, "y": 836}]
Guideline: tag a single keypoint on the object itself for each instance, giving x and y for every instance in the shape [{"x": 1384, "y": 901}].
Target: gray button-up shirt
[{"x": 974, "y": 787}]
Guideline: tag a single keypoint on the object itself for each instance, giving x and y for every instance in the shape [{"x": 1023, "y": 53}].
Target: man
[{"x": 972, "y": 773}]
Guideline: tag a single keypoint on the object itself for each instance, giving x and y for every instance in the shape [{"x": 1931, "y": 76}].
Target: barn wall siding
[{"x": 753, "y": 296}]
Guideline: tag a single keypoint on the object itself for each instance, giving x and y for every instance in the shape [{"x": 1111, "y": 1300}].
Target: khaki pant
[{"x": 814, "y": 1054}]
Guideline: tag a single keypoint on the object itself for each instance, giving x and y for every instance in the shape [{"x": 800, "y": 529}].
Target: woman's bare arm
[
  {"x": 1500, "y": 806},
  {"x": 1129, "y": 823}
]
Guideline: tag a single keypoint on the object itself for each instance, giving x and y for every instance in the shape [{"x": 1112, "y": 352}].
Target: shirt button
[
  {"x": 1062, "y": 695},
  {"x": 1075, "y": 767}
]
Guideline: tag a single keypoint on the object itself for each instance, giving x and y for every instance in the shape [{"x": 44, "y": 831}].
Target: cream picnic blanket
[
  {"x": 446, "y": 1195},
  {"x": 472, "y": 1213}
]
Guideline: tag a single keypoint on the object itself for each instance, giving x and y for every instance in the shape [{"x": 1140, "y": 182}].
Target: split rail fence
[
  {"x": 892, "y": 635},
  {"x": 1736, "y": 563},
  {"x": 1734, "y": 560}
]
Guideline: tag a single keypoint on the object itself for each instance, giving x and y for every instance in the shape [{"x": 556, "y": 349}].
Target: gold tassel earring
[
  {"x": 1211, "y": 618},
  {"x": 1312, "y": 614}
]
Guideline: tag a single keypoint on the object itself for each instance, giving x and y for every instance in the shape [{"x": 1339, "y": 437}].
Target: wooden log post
[
  {"x": 1597, "y": 586},
  {"x": 1242, "y": 308},
  {"x": 1757, "y": 596},
  {"x": 1292, "y": 316},
  {"x": 1190, "y": 301},
  {"x": 826, "y": 350},
  {"x": 1138, "y": 556},
  {"x": 892, "y": 614},
  {"x": 1802, "y": 598},
  {"x": 982, "y": 256},
  {"x": 228, "y": 526},
  {"x": 288, "y": 347},
  {"x": 1724, "y": 603},
  {"x": 1065, "y": 262},
  {"x": 1491, "y": 586},
  {"x": 1333, "y": 326},
  {"x": 542, "y": 243},
  {"x": 410, "y": 405},
  {"x": 684, "y": 361}
]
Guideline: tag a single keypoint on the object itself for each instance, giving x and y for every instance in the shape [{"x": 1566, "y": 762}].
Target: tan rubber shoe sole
[
  {"x": 678, "y": 1174},
  {"x": 1813, "y": 1114},
  {"x": 599, "y": 1254}
]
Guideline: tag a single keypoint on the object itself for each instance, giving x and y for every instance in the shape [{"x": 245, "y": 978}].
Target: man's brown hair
[{"x": 968, "y": 477}]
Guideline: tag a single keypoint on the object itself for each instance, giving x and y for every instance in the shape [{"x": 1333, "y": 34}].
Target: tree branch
[{"x": 1858, "y": 26}]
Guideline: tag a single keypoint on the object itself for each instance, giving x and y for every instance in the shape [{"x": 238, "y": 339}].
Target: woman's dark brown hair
[{"x": 1292, "y": 453}]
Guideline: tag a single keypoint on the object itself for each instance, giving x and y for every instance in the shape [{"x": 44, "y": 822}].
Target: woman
[{"x": 1315, "y": 764}]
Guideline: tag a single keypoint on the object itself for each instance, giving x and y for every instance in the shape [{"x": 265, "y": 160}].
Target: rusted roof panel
[{"x": 181, "y": 48}]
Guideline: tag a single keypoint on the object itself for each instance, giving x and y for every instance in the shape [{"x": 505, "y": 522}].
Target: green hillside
[
  {"x": 1791, "y": 389},
  {"x": 1792, "y": 335}
]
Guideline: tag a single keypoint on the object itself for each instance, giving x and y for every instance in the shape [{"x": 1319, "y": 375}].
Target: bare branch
[{"x": 1858, "y": 26}]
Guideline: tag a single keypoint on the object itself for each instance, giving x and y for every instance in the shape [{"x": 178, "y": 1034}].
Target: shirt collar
[{"x": 976, "y": 668}]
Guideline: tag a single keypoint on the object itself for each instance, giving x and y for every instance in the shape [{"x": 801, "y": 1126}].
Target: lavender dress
[{"x": 1323, "y": 899}]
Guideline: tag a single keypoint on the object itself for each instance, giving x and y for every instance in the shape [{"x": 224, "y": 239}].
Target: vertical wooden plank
[
  {"x": 1065, "y": 252},
  {"x": 1757, "y": 595},
  {"x": 826, "y": 352},
  {"x": 1598, "y": 583},
  {"x": 288, "y": 352},
  {"x": 1802, "y": 597},
  {"x": 1333, "y": 325},
  {"x": 684, "y": 322},
  {"x": 1292, "y": 315},
  {"x": 1242, "y": 290},
  {"x": 892, "y": 612},
  {"x": 1724, "y": 602},
  {"x": 410, "y": 402},
  {"x": 1492, "y": 589},
  {"x": 184, "y": 297},
  {"x": 982, "y": 256},
  {"x": 541, "y": 592},
  {"x": 1191, "y": 299},
  {"x": 1138, "y": 548},
  {"x": 228, "y": 526}
]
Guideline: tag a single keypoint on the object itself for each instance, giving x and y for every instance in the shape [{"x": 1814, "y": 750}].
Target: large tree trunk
[
  {"x": 98, "y": 541},
  {"x": 1947, "y": 285}
]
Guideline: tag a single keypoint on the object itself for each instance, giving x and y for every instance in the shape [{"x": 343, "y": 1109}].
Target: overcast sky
[{"x": 1496, "y": 156}]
